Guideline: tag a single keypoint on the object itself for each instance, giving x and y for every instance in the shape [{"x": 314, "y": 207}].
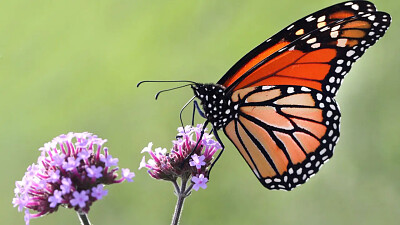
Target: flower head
[
  {"x": 71, "y": 172},
  {"x": 191, "y": 155}
]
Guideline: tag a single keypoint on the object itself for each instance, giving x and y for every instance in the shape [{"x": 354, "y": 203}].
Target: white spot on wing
[
  {"x": 311, "y": 40},
  {"x": 335, "y": 28},
  {"x": 300, "y": 32},
  {"x": 355, "y": 7},
  {"x": 372, "y": 18},
  {"x": 264, "y": 88},
  {"x": 316, "y": 45},
  {"x": 350, "y": 53},
  {"x": 329, "y": 113},
  {"x": 338, "y": 70},
  {"x": 310, "y": 18},
  {"x": 334, "y": 34},
  {"x": 341, "y": 42},
  {"x": 321, "y": 24}
]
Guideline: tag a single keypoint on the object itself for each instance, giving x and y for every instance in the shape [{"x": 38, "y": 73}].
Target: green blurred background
[{"x": 73, "y": 66}]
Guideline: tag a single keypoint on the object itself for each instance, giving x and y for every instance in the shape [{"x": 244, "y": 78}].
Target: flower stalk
[{"x": 181, "y": 193}]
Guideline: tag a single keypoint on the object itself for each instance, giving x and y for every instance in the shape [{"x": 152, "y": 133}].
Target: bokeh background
[{"x": 73, "y": 66}]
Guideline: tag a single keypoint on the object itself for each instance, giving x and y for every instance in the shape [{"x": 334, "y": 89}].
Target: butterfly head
[{"x": 216, "y": 103}]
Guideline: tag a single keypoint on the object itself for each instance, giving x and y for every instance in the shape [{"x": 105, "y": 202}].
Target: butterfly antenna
[
  {"x": 170, "y": 89},
  {"x": 165, "y": 81}
]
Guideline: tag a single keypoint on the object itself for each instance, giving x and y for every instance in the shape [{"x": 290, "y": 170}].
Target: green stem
[
  {"x": 84, "y": 218},
  {"x": 181, "y": 193}
]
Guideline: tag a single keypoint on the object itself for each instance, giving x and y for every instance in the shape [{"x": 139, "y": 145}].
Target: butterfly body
[
  {"x": 216, "y": 102},
  {"x": 277, "y": 104}
]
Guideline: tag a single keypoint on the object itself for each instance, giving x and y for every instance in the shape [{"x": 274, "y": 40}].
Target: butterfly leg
[
  {"x": 201, "y": 137},
  {"x": 219, "y": 154},
  {"x": 198, "y": 142},
  {"x": 194, "y": 111},
  {"x": 196, "y": 106}
]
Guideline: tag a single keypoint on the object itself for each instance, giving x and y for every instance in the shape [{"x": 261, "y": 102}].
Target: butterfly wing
[
  {"x": 291, "y": 33},
  {"x": 287, "y": 122},
  {"x": 318, "y": 59},
  {"x": 285, "y": 133}
]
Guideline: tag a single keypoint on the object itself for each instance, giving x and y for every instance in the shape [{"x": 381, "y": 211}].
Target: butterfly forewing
[
  {"x": 293, "y": 32},
  {"x": 285, "y": 133},
  {"x": 320, "y": 59}
]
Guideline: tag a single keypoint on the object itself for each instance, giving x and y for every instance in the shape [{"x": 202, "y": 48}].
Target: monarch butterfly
[{"x": 277, "y": 105}]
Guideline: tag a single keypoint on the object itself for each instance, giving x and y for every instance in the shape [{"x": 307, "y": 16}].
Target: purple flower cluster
[
  {"x": 71, "y": 172},
  {"x": 171, "y": 165}
]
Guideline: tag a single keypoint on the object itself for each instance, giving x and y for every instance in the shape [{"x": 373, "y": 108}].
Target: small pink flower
[
  {"x": 79, "y": 199},
  {"x": 197, "y": 161},
  {"x": 199, "y": 182}
]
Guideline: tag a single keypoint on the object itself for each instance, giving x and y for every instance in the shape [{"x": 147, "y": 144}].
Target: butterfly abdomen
[{"x": 217, "y": 105}]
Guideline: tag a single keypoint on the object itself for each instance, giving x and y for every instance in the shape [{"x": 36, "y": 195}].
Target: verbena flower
[
  {"x": 197, "y": 161},
  {"x": 71, "y": 172},
  {"x": 190, "y": 159},
  {"x": 178, "y": 162},
  {"x": 199, "y": 182}
]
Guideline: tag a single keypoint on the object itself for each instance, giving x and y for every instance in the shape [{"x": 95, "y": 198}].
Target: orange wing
[
  {"x": 292, "y": 32},
  {"x": 285, "y": 133},
  {"x": 318, "y": 59}
]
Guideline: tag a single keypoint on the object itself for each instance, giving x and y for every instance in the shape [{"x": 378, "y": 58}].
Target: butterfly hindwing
[{"x": 285, "y": 133}]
